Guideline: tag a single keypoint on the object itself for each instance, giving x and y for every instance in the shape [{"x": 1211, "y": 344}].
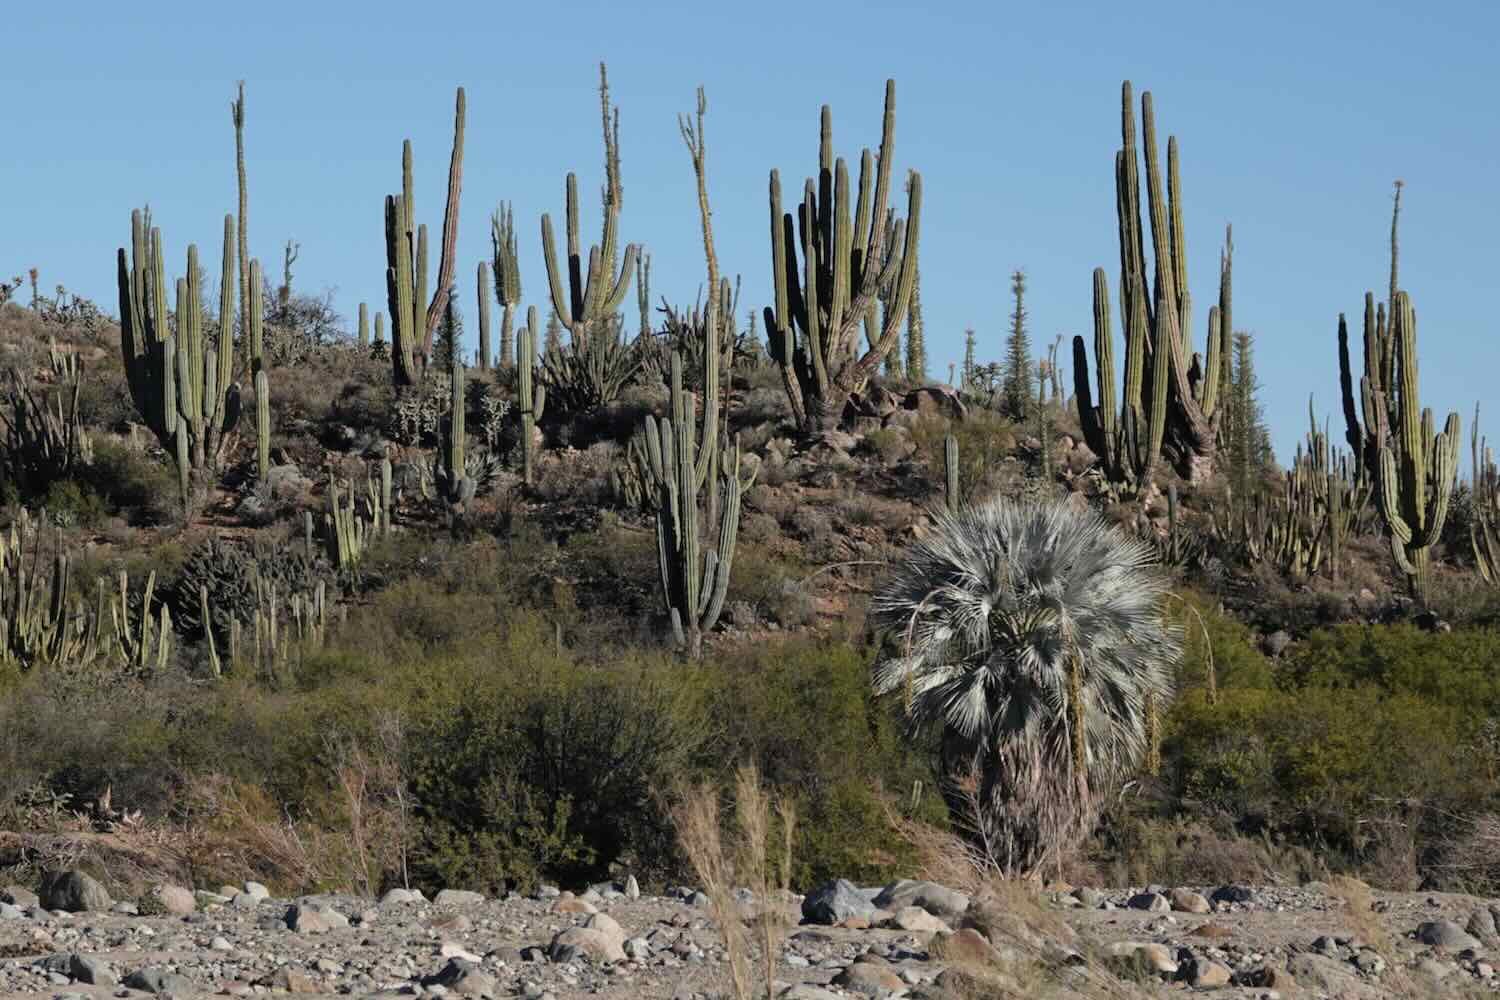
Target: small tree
[{"x": 1019, "y": 369}]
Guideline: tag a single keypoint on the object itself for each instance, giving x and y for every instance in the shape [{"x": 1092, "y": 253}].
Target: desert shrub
[
  {"x": 131, "y": 483},
  {"x": 1446, "y": 668},
  {"x": 802, "y": 712},
  {"x": 985, "y": 440}
]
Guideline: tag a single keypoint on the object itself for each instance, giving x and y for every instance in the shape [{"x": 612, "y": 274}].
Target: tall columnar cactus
[
  {"x": 1375, "y": 400},
  {"x": 412, "y": 329},
  {"x": 507, "y": 267},
  {"x": 1484, "y": 525},
  {"x": 694, "y": 584},
  {"x": 364, "y": 326},
  {"x": 594, "y": 291},
  {"x": 1416, "y": 480},
  {"x": 262, "y": 425},
  {"x": 482, "y": 285},
  {"x": 916, "y": 344},
  {"x": 847, "y": 259},
  {"x": 237, "y": 115},
  {"x": 457, "y": 487},
  {"x": 176, "y": 382},
  {"x": 1171, "y": 403},
  {"x": 532, "y": 393}
]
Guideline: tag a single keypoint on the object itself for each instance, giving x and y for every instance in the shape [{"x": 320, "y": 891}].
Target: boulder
[
  {"x": 18, "y": 896},
  {"x": 938, "y": 900},
  {"x": 457, "y": 897},
  {"x": 175, "y": 899},
  {"x": 309, "y": 917},
  {"x": 74, "y": 892},
  {"x": 918, "y": 921},
  {"x": 1148, "y": 954},
  {"x": 155, "y": 979},
  {"x": 587, "y": 941},
  {"x": 1151, "y": 902},
  {"x": 1188, "y": 901},
  {"x": 834, "y": 902},
  {"x": 937, "y": 401},
  {"x": 399, "y": 897},
  {"x": 463, "y": 977},
  {"x": 869, "y": 979},
  {"x": 1447, "y": 935}
]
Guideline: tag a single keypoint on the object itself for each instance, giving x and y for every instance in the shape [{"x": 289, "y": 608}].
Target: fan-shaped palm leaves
[{"x": 1032, "y": 634}]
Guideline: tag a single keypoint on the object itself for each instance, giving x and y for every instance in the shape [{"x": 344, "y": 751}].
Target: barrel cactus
[{"x": 1032, "y": 638}]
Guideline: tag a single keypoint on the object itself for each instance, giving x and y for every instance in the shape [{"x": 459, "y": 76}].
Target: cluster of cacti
[
  {"x": 42, "y": 627},
  {"x": 1303, "y": 529},
  {"x": 42, "y": 435},
  {"x": 590, "y": 373},
  {"x": 852, "y": 248},
  {"x": 1171, "y": 403},
  {"x": 180, "y": 385},
  {"x": 677, "y": 470},
  {"x": 413, "y": 325},
  {"x": 280, "y": 627},
  {"x": 531, "y": 396},
  {"x": 507, "y": 285},
  {"x": 347, "y": 528},
  {"x": 594, "y": 291}
]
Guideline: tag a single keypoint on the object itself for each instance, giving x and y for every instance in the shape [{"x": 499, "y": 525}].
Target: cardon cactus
[
  {"x": 849, "y": 255},
  {"x": 1171, "y": 403},
  {"x": 457, "y": 486},
  {"x": 1032, "y": 636},
  {"x": 507, "y": 278},
  {"x": 179, "y": 384},
  {"x": 412, "y": 324},
  {"x": 1416, "y": 480},
  {"x": 594, "y": 290},
  {"x": 532, "y": 396}
]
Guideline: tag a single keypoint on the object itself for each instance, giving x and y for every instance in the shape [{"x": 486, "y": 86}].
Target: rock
[
  {"x": 591, "y": 942},
  {"x": 1369, "y": 962},
  {"x": 155, "y": 979},
  {"x": 935, "y": 400},
  {"x": 463, "y": 977},
  {"x": 606, "y": 925},
  {"x": 1208, "y": 975},
  {"x": 1447, "y": 935},
  {"x": 807, "y": 991},
  {"x": 869, "y": 979},
  {"x": 15, "y": 895},
  {"x": 457, "y": 897},
  {"x": 87, "y": 969},
  {"x": 1152, "y": 956},
  {"x": 310, "y": 917},
  {"x": 1233, "y": 894},
  {"x": 965, "y": 946},
  {"x": 572, "y": 904},
  {"x": 257, "y": 890},
  {"x": 1433, "y": 969},
  {"x": 1151, "y": 902},
  {"x": 289, "y": 980},
  {"x": 450, "y": 949},
  {"x": 1212, "y": 931},
  {"x": 1481, "y": 923},
  {"x": 1320, "y": 973},
  {"x": 1276, "y": 643},
  {"x": 918, "y": 920},
  {"x": 637, "y": 949},
  {"x": 73, "y": 892},
  {"x": 175, "y": 899},
  {"x": 834, "y": 902},
  {"x": 400, "y": 897},
  {"x": 1088, "y": 897},
  {"x": 632, "y": 888},
  {"x": 1188, "y": 901},
  {"x": 938, "y": 900}
]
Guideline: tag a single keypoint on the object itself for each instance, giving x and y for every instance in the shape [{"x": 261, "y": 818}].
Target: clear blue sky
[{"x": 1293, "y": 121}]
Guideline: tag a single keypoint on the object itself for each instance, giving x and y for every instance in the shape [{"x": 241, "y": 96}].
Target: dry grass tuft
[{"x": 745, "y": 861}]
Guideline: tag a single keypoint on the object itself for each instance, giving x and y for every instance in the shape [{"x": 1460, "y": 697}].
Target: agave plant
[{"x": 1032, "y": 636}]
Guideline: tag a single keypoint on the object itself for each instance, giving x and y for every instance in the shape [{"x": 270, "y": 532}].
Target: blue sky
[{"x": 1293, "y": 121}]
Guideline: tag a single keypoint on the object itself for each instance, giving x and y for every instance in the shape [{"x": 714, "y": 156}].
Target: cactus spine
[
  {"x": 1182, "y": 423},
  {"x": 1425, "y": 461},
  {"x": 176, "y": 382},
  {"x": 594, "y": 292},
  {"x": 533, "y": 396},
  {"x": 412, "y": 329},
  {"x": 847, "y": 259},
  {"x": 507, "y": 278}
]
